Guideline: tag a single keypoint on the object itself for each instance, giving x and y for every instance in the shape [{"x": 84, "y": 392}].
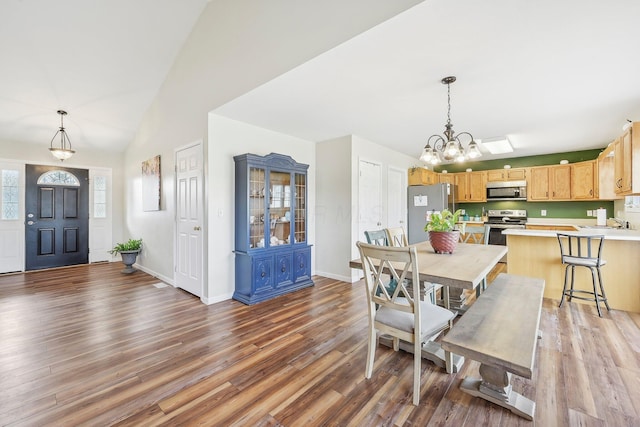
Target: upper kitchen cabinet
[
  {"x": 626, "y": 161},
  {"x": 422, "y": 176},
  {"x": 472, "y": 186},
  {"x": 560, "y": 182},
  {"x": 538, "y": 183},
  {"x": 447, "y": 178},
  {"x": 584, "y": 184},
  {"x": 550, "y": 183},
  {"x": 606, "y": 181},
  {"x": 519, "y": 174}
]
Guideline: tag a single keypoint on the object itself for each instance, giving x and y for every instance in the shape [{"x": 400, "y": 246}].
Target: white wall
[
  {"x": 235, "y": 46},
  {"x": 631, "y": 215},
  {"x": 335, "y": 207},
  {"x": 337, "y": 195},
  {"x": 232, "y": 138}
]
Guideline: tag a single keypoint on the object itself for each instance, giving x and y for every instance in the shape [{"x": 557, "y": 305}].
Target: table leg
[
  {"x": 495, "y": 386},
  {"x": 445, "y": 297}
]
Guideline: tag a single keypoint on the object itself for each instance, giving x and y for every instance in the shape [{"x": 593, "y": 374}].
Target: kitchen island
[{"x": 536, "y": 253}]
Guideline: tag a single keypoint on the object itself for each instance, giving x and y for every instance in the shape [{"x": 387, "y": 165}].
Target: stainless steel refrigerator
[{"x": 423, "y": 199}]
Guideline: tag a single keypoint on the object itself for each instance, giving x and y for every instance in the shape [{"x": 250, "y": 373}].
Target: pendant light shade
[{"x": 61, "y": 151}]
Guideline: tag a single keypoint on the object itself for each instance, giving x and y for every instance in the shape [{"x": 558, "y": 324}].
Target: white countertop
[{"x": 609, "y": 233}]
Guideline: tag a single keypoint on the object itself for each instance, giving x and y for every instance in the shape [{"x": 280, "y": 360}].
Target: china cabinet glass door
[
  {"x": 300, "y": 233},
  {"x": 256, "y": 207},
  {"x": 279, "y": 208}
]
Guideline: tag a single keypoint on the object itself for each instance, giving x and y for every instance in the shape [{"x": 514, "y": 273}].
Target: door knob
[
  {"x": 196, "y": 228},
  {"x": 30, "y": 222}
]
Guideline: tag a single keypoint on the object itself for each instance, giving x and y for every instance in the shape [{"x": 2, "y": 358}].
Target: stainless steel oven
[{"x": 499, "y": 220}]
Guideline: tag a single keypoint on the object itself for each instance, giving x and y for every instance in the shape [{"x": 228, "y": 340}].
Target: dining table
[{"x": 465, "y": 268}]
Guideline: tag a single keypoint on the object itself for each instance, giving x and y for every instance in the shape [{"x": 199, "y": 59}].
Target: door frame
[
  {"x": 402, "y": 196},
  {"x": 21, "y": 165},
  {"x": 203, "y": 263}
]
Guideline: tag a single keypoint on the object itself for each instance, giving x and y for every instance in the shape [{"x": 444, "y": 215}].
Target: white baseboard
[
  {"x": 154, "y": 274},
  {"x": 216, "y": 298},
  {"x": 335, "y": 276}
]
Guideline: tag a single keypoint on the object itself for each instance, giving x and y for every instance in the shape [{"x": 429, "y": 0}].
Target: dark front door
[{"x": 57, "y": 216}]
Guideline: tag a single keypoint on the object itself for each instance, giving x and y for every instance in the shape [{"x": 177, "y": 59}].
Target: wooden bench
[{"x": 500, "y": 331}]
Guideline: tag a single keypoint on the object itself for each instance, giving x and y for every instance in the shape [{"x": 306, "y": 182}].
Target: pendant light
[
  {"x": 63, "y": 151},
  {"x": 450, "y": 146}
]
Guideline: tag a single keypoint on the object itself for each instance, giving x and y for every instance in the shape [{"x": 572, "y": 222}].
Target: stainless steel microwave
[{"x": 507, "y": 190}]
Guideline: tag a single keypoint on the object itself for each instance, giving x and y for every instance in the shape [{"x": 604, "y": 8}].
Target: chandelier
[
  {"x": 63, "y": 151},
  {"x": 449, "y": 147}
]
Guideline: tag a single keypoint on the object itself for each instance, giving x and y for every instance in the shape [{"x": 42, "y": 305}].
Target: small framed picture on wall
[{"x": 151, "y": 184}]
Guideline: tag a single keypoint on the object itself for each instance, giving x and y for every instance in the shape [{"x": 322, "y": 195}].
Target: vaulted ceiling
[
  {"x": 103, "y": 61},
  {"x": 553, "y": 76}
]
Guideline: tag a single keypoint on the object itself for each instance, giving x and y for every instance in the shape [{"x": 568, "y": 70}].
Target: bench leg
[{"x": 495, "y": 386}]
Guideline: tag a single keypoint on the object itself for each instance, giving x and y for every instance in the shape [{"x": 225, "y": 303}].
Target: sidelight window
[
  {"x": 10, "y": 194},
  {"x": 99, "y": 196}
]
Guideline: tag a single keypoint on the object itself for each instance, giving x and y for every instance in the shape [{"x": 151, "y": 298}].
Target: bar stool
[{"x": 577, "y": 251}]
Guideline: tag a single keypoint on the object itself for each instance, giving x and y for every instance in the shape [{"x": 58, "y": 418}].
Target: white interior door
[
  {"x": 11, "y": 216},
  {"x": 396, "y": 198},
  {"x": 370, "y": 207},
  {"x": 189, "y": 219}
]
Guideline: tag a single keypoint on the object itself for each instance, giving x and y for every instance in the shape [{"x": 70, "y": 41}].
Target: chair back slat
[
  {"x": 376, "y": 237},
  {"x": 476, "y": 234},
  {"x": 396, "y": 236},
  {"x": 586, "y": 247},
  {"x": 400, "y": 264}
]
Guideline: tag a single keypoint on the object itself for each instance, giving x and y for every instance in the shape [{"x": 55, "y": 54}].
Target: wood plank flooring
[{"x": 90, "y": 346}]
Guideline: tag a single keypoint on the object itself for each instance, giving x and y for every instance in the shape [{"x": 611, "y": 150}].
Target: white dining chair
[{"x": 402, "y": 314}]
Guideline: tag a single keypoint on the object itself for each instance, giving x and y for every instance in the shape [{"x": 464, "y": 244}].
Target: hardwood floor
[{"x": 90, "y": 346}]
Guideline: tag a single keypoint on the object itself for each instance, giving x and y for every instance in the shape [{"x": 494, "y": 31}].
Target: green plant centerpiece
[
  {"x": 129, "y": 251},
  {"x": 444, "y": 230}
]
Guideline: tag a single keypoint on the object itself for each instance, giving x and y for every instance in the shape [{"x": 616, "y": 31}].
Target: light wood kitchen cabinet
[
  {"x": 538, "y": 185},
  {"x": 584, "y": 182},
  {"x": 606, "y": 181},
  {"x": 518, "y": 174},
  {"x": 422, "y": 176},
  {"x": 446, "y": 178},
  {"x": 553, "y": 227},
  {"x": 472, "y": 186},
  {"x": 550, "y": 183},
  {"x": 560, "y": 182},
  {"x": 623, "y": 163}
]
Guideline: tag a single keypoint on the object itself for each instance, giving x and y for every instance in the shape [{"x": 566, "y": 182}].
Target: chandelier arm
[
  {"x": 464, "y": 133},
  {"x": 438, "y": 143},
  {"x": 54, "y": 138},
  {"x": 66, "y": 140}
]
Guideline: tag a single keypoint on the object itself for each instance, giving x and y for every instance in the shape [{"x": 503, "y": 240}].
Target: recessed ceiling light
[{"x": 498, "y": 145}]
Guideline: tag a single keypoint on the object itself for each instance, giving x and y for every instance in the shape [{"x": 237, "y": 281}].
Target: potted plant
[
  {"x": 444, "y": 230},
  {"x": 129, "y": 251}
]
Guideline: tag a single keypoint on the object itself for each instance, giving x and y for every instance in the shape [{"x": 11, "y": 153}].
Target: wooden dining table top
[{"x": 464, "y": 268}]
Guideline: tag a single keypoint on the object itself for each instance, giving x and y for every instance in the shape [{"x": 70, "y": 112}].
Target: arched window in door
[{"x": 57, "y": 177}]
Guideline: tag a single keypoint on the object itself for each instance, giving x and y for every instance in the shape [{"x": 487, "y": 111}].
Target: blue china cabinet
[{"x": 272, "y": 254}]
